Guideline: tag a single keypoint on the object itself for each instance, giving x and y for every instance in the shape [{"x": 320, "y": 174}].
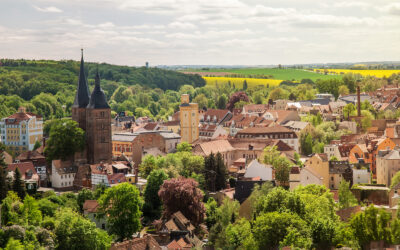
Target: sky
[{"x": 201, "y": 32}]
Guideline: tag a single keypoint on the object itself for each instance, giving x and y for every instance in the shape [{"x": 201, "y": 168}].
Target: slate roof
[
  {"x": 82, "y": 95},
  {"x": 98, "y": 98},
  {"x": 124, "y": 137}
]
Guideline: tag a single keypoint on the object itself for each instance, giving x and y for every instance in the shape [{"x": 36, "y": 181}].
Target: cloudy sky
[{"x": 229, "y": 32}]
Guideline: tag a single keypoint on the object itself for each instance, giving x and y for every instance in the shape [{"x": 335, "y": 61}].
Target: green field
[{"x": 281, "y": 74}]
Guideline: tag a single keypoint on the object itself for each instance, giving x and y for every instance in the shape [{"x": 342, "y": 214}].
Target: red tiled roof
[
  {"x": 174, "y": 246},
  {"x": 18, "y": 117},
  {"x": 116, "y": 178},
  {"x": 90, "y": 206},
  {"x": 145, "y": 243},
  {"x": 150, "y": 126},
  {"x": 30, "y": 155},
  {"x": 255, "y": 108},
  {"x": 218, "y": 113},
  {"x": 23, "y": 167}
]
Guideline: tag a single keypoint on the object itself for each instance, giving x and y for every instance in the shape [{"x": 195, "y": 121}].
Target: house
[
  {"x": 394, "y": 196},
  {"x": 189, "y": 119},
  {"x": 294, "y": 177},
  {"x": 367, "y": 153},
  {"x": 7, "y": 157},
  {"x": 38, "y": 160},
  {"x": 309, "y": 176},
  {"x": 133, "y": 145},
  {"x": 256, "y": 169},
  {"x": 179, "y": 227},
  {"x": 340, "y": 151},
  {"x": 352, "y": 98},
  {"x": 281, "y": 116},
  {"x": 337, "y": 107},
  {"x": 115, "y": 179},
  {"x": 63, "y": 174},
  {"x": 276, "y": 132},
  {"x": 280, "y": 104},
  {"x": 215, "y": 116},
  {"x": 217, "y": 146},
  {"x": 299, "y": 127},
  {"x": 174, "y": 126},
  {"x": 361, "y": 176},
  {"x": 348, "y": 125},
  {"x": 207, "y": 131},
  {"x": 317, "y": 169},
  {"x": 338, "y": 171},
  {"x": 387, "y": 165},
  {"x": 147, "y": 242},
  {"x": 90, "y": 211},
  {"x": 20, "y": 131},
  {"x": 28, "y": 174},
  {"x": 99, "y": 174},
  {"x": 255, "y": 109}
]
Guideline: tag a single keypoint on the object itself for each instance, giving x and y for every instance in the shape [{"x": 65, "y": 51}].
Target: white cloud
[
  {"x": 50, "y": 9},
  {"x": 182, "y": 25},
  {"x": 393, "y": 8}
]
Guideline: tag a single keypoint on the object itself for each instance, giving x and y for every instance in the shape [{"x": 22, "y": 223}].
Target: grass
[{"x": 282, "y": 74}]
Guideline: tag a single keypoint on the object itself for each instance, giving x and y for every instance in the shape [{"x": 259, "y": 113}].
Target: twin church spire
[{"x": 97, "y": 100}]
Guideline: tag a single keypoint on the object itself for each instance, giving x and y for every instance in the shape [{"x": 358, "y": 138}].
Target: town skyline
[{"x": 221, "y": 32}]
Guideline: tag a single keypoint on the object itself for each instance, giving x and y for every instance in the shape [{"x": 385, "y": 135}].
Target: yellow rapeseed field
[
  {"x": 251, "y": 82},
  {"x": 376, "y": 73}
]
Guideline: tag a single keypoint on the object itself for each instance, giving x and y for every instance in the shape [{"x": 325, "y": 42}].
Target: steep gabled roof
[
  {"x": 98, "y": 98},
  {"x": 82, "y": 94}
]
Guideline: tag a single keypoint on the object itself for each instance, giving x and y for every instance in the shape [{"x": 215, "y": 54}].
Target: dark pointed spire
[
  {"x": 98, "y": 98},
  {"x": 82, "y": 94}
]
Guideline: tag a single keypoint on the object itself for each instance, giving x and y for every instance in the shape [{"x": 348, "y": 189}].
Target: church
[{"x": 93, "y": 114}]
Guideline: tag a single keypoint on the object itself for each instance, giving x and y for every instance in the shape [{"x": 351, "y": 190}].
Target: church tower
[
  {"x": 98, "y": 126},
  {"x": 81, "y": 98}
]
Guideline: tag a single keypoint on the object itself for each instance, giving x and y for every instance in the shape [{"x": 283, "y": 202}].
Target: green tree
[
  {"x": 244, "y": 85},
  {"x": 222, "y": 100},
  {"x": 201, "y": 100},
  {"x": 395, "y": 180},
  {"x": 83, "y": 195},
  {"x": 371, "y": 225},
  {"x": 281, "y": 164},
  {"x": 75, "y": 232},
  {"x": 18, "y": 184},
  {"x": 13, "y": 244},
  {"x": 3, "y": 175},
  {"x": 272, "y": 228},
  {"x": 211, "y": 212},
  {"x": 66, "y": 138},
  {"x": 184, "y": 147},
  {"x": 348, "y": 110},
  {"x": 37, "y": 145},
  {"x": 346, "y": 197},
  {"x": 122, "y": 205},
  {"x": 152, "y": 206},
  {"x": 239, "y": 235},
  {"x": 343, "y": 90},
  {"x": 31, "y": 212},
  {"x": 306, "y": 143}
]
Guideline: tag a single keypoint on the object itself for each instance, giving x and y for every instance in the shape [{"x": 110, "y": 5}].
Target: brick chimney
[{"x": 358, "y": 102}]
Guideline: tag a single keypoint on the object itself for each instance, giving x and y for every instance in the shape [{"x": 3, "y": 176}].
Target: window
[
  {"x": 102, "y": 114},
  {"x": 332, "y": 178}
]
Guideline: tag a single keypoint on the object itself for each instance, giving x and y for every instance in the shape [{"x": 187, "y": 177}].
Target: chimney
[{"x": 358, "y": 102}]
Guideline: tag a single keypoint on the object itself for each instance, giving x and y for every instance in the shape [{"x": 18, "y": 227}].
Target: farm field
[
  {"x": 377, "y": 73},
  {"x": 238, "y": 82},
  {"x": 282, "y": 74}
]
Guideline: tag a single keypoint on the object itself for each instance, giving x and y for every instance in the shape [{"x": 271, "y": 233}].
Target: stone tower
[
  {"x": 98, "y": 126},
  {"x": 189, "y": 114},
  {"x": 93, "y": 115},
  {"x": 81, "y": 98}
]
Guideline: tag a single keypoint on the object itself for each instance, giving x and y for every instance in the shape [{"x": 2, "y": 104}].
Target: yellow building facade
[
  {"x": 189, "y": 114},
  {"x": 21, "y": 130}
]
